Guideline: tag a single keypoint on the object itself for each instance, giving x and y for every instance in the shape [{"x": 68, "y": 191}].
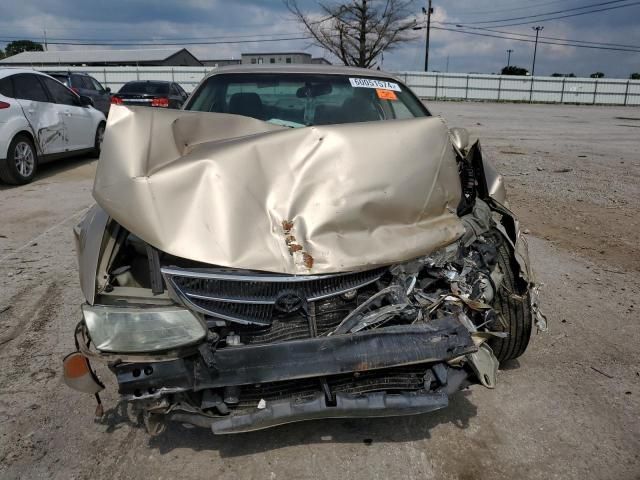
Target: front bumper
[{"x": 316, "y": 361}]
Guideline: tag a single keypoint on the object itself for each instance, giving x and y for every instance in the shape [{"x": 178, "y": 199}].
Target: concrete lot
[{"x": 569, "y": 408}]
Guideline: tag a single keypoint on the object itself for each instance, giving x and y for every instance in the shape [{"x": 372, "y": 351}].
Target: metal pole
[
  {"x": 436, "y": 87},
  {"x": 562, "y": 92},
  {"x": 531, "y": 90},
  {"x": 466, "y": 89},
  {"x": 499, "y": 86},
  {"x": 595, "y": 91},
  {"x": 509, "y": 57},
  {"x": 535, "y": 50},
  {"x": 533, "y": 67},
  {"x": 626, "y": 92},
  {"x": 426, "y": 53}
]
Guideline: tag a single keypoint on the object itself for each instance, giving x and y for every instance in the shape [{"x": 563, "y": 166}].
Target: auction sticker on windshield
[
  {"x": 386, "y": 94},
  {"x": 373, "y": 83}
]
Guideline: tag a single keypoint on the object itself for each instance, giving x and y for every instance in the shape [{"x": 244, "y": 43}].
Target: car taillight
[
  {"x": 4, "y": 105},
  {"x": 160, "y": 102},
  {"x": 116, "y": 101}
]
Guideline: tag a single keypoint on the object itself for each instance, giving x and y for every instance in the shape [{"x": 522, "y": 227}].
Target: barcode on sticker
[{"x": 373, "y": 83}]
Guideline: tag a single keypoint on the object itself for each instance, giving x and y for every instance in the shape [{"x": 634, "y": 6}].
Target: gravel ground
[{"x": 569, "y": 408}]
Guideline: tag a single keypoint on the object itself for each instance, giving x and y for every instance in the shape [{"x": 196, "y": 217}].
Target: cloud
[{"x": 153, "y": 19}]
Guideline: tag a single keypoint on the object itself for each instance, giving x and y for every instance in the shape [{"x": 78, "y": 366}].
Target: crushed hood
[{"x": 238, "y": 192}]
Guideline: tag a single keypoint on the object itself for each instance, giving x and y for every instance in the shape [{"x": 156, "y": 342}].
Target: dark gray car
[{"x": 85, "y": 84}]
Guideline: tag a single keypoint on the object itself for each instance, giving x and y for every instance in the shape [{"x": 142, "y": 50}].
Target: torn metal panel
[
  {"x": 88, "y": 235},
  {"x": 233, "y": 191}
]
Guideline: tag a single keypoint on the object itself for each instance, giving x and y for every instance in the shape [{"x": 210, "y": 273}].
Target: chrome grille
[{"x": 250, "y": 298}]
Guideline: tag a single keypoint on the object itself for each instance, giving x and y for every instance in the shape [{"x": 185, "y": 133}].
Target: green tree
[
  {"x": 18, "y": 46},
  {"x": 1, "y": 54},
  {"x": 513, "y": 70},
  {"x": 597, "y": 75},
  {"x": 635, "y": 76}
]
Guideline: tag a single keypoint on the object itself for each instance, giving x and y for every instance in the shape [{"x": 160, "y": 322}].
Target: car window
[
  {"x": 150, "y": 88},
  {"x": 298, "y": 100},
  {"x": 87, "y": 84},
  {"x": 28, "y": 87},
  {"x": 181, "y": 90},
  {"x": 96, "y": 84},
  {"x": 61, "y": 78},
  {"x": 76, "y": 81},
  {"x": 60, "y": 93},
  {"x": 6, "y": 87}
]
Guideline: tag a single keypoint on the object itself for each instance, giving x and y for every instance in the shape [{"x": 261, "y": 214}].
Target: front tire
[
  {"x": 21, "y": 163},
  {"x": 513, "y": 302},
  {"x": 97, "y": 143}
]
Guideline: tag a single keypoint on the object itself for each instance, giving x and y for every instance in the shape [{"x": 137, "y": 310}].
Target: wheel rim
[{"x": 24, "y": 158}]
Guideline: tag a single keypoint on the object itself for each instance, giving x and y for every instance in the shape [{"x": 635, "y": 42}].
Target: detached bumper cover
[{"x": 438, "y": 341}]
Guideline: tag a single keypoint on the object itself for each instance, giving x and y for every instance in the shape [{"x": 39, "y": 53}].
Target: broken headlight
[{"x": 136, "y": 330}]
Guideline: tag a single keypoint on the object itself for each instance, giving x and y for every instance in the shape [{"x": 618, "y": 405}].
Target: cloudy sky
[{"x": 95, "y": 21}]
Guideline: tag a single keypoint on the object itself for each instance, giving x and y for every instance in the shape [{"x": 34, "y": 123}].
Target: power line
[
  {"x": 547, "y": 13},
  {"x": 567, "y": 44},
  {"x": 550, "y": 38},
  {"x": 500, "y": 10},
  {"x": 557, "y": 17}
]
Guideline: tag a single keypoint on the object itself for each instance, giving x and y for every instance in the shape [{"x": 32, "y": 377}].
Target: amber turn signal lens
[{"x": 75, "y": 365}]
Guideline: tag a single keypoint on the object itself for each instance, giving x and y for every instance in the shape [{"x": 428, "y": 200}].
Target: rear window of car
[
  {"x": 28, "y": 87},
  {"x": 149, "y": 88},
  {"x": 6, "y": 87},
  {"x": 298, "y": 100}
]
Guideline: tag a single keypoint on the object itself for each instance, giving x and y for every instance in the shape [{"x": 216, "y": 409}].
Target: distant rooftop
[{"x": 94, "y": 56}]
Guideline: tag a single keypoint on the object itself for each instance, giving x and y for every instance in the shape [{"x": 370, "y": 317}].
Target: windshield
[
  {"x": 298, "y": 100},
  {"x": 150, "y": 88}
]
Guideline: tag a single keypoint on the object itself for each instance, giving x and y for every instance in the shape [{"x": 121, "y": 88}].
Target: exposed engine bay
[
  {"x": 279, "y": 348},
  {"x": 335, "y": 284}
]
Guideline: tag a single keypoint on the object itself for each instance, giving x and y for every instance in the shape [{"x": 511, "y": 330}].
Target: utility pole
[
  {"x": 45, "y": 39},
  {"x": 426, "y": 53},
  {"x": 509, "y": 57},
  {"x": 535, "y": 50}
]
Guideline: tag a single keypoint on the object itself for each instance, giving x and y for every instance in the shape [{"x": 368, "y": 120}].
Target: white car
[{"x": 42, "y": 120}]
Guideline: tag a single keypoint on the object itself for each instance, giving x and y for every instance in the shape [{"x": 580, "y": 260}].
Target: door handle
[
  {"x": 67, "y": 113},
  {"x": 31, "y": 110}
]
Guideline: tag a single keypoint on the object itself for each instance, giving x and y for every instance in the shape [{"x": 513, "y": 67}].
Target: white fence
[
  {"x": 440, "y": 86},
  {"x": 509, "y": 88}
]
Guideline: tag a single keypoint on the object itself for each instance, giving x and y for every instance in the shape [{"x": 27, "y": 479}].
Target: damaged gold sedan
[{"x": 297, "y": 243}]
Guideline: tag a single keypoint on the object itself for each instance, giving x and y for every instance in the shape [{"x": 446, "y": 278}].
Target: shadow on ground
[{"x": 53, "y": 168}]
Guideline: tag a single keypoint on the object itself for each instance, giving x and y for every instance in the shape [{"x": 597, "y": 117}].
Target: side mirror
[
  {"x": 86, "y": 101},
  {"x": 460, "y": 138},
  {"x": 107, "y": 90}
]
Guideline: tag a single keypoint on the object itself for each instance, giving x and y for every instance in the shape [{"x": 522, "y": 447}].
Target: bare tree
[{"x": 358, "y": 31}]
